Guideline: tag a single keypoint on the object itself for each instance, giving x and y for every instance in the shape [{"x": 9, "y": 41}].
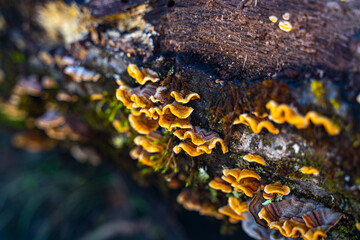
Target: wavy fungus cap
[
  {"x": 221, "y": 185},
  {"x": 144, "y": 75},
  {"x": 255, "y": 158},
  {"x": 181, "y": 97},
  {"x": 282, "y": 190},
  {"x": 309, "y": 170},
  {"x": 142, "y": 124},
  {"x": 293, "y": 216},
  {"x": 256, "y": 124}
]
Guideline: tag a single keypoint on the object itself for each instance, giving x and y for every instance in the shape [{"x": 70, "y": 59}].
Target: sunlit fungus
[
  {"x": 142, "y": 124},
  {"x": 256, "y": 124},
  {"x": 181, "y": 97},
  {"x": 281, "y": 113},
  {"x": 219, "y": 184},
  {"x": 255, "y": 158},
  {"x": 309, "y": 170},
  {"x": 142, "y": 76}
]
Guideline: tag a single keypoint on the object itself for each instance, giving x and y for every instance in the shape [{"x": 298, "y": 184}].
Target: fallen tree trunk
[{"x": 200, "y": 86}]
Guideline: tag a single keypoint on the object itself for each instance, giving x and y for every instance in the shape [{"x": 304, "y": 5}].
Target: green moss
[
  {"x": 317, "y": 87},
  {"x": 335, "y": 103}
]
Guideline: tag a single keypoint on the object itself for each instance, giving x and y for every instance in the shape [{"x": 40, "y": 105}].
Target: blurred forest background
[{"x": 52, "y": 196}]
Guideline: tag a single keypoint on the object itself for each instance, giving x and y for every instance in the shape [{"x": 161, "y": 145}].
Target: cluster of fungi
[{"x": 154, "y": 109}]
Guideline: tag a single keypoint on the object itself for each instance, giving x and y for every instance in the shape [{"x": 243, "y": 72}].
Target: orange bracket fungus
[
  {"x": 245, "y": 181},
  {"x": 190, "y": 200},
  {"x": 283, "y": 113},
  {"x": 255, "y": 158},
  {"x": 271, "y": 189},
  {"x": 142, "y": 124},
  {"x": 181, "y": 97},
  {"x": 234, "y": 210},
  {"x": 144, "y": 75},
  {"x": 200, "y": 141},
  {"x": 309, "y": 170},
  {"x": 221, "y": 185},
  {"x": 256, "y": 124}
]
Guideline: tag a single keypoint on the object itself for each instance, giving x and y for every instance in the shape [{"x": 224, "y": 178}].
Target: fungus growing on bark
[
  {"x": 28, "y": 85},
  {"x": 142, "y": 156},
  {"x": 200, "y": 139},
  {"x": 142, "y": 124},
  {"x": 178, "y": 110},
  {"x": 293, "y": 217},
  {"x": 33, "y": 142},
  {"x": 256, "y": 124},
  {"x": 50, "y": 119},
  {"x": 309, "y": 170},
  {"x": 234, "y": 210},
  {"x": 189, "y": 148},
  {"x": 151, "y": 142},
  {"x": 80, "y": 74},
  {"x": 281, "y": 113},
  {"x": 190, "y": 200},
  {"x": 285, "y": 26},
  {"x": 181, "y": 97},
  {"x": 170, "y": 122},
  {"x": 123, "y": 94},
  {"x": 255, "y": 158},
  {"x": 159, "y": 95},
  {"x": 271, "y": 189},
  {"x": 144, "y": 75},
  {"x": 245, "y": 181},
  {"x": 68, "y": 21},
  {"x": 273, "y": 19},
  {"x": 221, "y": 185}
]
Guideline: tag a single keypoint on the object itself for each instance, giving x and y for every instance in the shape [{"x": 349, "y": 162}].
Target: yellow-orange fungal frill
[
  {"x": 142, "y": 156},
  {"x": 309, "y": 170},
  {"x": 245, "y": 181},
  {"x": 142, "y": 124},
  {"x": 123, "y": 94},
  {"x": 206, "y": 141},
  {"x": 282, "y": 190},
  {"x": 285, "y": 26},
  {"x": 317, "y": 119},
  {"x": 190, "y": 201},
  {"x": 238, "y": 206},
  {"x": 256, "y": 124},
  {"x": 178, "y": 110},
  {"x": 255, "y": 158},
  {"x": 151, "y": 142},
  {"x": 181, "y": 97},
  {"x": 170, "y": 122},
  {"x": 221, "y": 185},
  {"x": 357, "y": 225},
  {"x": 233, "y": 216},
  {"x": 158, "y": 96},
  {"x": 281, "y": 113},
  {"x": 96, "y": 96},
  {"x": 144, "y": 75},
  {"x": 189, "y": 148}
]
